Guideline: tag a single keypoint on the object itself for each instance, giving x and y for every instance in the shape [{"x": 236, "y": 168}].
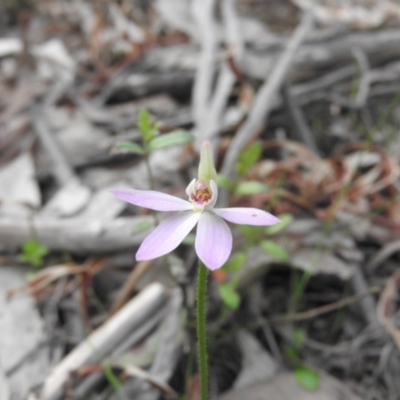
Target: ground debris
[{"x": 301, "y": 103}]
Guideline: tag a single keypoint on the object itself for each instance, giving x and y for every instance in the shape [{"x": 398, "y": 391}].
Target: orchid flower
[{"x": 214, "y": 239}]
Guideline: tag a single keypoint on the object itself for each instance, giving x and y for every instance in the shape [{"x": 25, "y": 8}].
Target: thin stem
[
  {"x": 151, "y": 182},
  {"x": 149, "y": 171},
  {"x": 201, "y": 330}
]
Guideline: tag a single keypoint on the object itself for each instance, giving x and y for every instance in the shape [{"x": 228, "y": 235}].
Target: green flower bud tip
[{"x": 207, "y": 170}]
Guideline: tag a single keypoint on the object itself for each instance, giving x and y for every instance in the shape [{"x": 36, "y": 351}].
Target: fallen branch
[
  {"x": 77, "y": 235},
  {"x": 203, "y": 13},
  {"x": 103, "y": 340},
  {"x": 315, "y": 312},
  {"x": 264, "y": 100}
]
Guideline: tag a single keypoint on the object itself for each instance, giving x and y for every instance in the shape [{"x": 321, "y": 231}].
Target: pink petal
[
  {"x": 213, "y": 240},
  {"x": 168, "y": 235},
  {"x": 152, "y": 199},
  {"x": 246, "y": 216}
]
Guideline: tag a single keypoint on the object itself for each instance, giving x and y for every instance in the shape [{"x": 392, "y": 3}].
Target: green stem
[
  {"x": 149, "y": 171},
  {"x": 201, "y": 330},
  {"x": 151, "y": 182}
]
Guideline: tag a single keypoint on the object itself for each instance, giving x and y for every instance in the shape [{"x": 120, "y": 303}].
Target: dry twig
[
  {"x": 315, "y": 312},
  {"x": 103, "y": 340},
  {"x": 264, "y": 100}
]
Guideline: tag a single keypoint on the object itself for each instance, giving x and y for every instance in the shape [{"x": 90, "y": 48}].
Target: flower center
[{"x": 201, "y": 196}]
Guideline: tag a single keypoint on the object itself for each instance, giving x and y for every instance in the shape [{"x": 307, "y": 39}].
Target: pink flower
[{"x": 214, "y": 239}]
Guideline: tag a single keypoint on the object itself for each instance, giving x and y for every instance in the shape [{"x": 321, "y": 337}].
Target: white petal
[
  {"x": 168, "y": 235},
  {"x": 213, "y": 240},
  {"x": 214, "y": 195},
  {"x": 246, "y": 216},
  {"x": 190, "y": 188},
  {"x": 153, "y": 200}
]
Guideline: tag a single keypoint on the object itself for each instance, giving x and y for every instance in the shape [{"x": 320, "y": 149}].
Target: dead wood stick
[
  {"x": 300, "y": 124},
  {"x": 137, "y": 272},
  {"x": 315, "y": 312},
  {"x": 77, "y": 235},
  {"x": 73, "y": 195},
  {"x": 383, "y": 254},
  {"x": 365, "y": 78},
  {"x": 213, "y": 122},
  {"x": 312, "y": 57},
  {"x": 86, "y": 386},
  {"x": 378, "y": 46},
  {"x": 323, "y": 82},
  {"x": 166, "y": 356},
  {"x": 264, "y": 99},
  {"x": 103, "y": 340},
  {"x": 63, "y": 172},
  {"x": 203, "y": 13},
  {"x": 368, "y": 304}
]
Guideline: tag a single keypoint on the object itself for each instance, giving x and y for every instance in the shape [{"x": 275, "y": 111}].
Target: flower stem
[
  {"x": 151, "y": 182},
  {"x": 201, "y": 330},
  {"x": 149, "y": 171}
]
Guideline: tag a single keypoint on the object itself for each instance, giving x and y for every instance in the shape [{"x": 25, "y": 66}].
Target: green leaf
[
  {"x": 291, "y": 353},
  {"x": 170, "y": 139},
  {"x": 111, "y": 377},
  {"x": 224, "y": 181},
  {"x": 252, "y": 233},
  {"x": 307, "y": 378},
  {"x": 286, "y": 219},
  {"x": 299, "y": 337},
  {"x": 250, "y": 187},
  {"x": 130, "y": 147},
  {"x": 235, "y": 262},
  {"x": 274, "y": 250},
  {"x": 248, "y": 157},
  {"x": 144, "y": 122},
  {"x": 33, "y": 252},
  {"x": 147, "y": 129},
  {"x": 230, "y": 296}
]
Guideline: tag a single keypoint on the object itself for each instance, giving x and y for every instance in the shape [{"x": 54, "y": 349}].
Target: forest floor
[{"x": 301, "y": 102}]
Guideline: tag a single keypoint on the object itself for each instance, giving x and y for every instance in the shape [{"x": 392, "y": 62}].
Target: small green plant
[
  {"x": 229, "y": 295},
  {"x": 228, "y": 290},
  {"x": 293, "y": 349},
  {"x": 151, "y": 138},
  {"x": 250, "y": 187},
  {"x": 248, "y": 158},
  {"x": 112, "y": 379},
  {"x": 254, "y": 236},
  {"x": 275, "y": 250},
  {"x": 308, "y": 378},
  {"x": 33, "y": 252}
]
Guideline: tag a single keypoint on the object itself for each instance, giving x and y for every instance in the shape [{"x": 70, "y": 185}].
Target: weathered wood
[
  {"x": 75, "y": 234},
  {"x": 103, "y": 340},
  {"x": 259, "y": 58},
  {"x": 264, "y": 100},
  {"x": 24, "y": 354}
]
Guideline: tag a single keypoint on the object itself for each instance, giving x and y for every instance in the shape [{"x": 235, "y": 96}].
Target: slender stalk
[
  {"x": 151, "y": 182},
  {"x": 201, "y": 330},
  {"x": 149, "y": 171}
]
